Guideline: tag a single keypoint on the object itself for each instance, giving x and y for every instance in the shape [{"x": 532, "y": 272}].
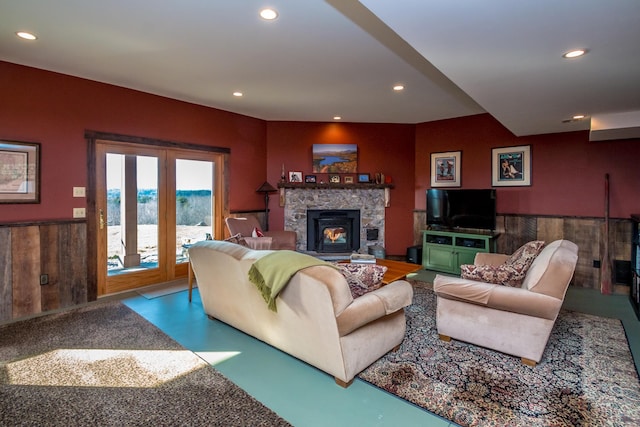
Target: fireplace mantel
[{"x": 341, "y": 186}]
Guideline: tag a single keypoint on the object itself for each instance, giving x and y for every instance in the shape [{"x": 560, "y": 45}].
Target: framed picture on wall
[
  {"x": 295, "y": 176},
  {"x": 363, "y": 177},
  {"x": 19, "y": 172},
  {"x": 511, "y": 166},
  {"x": 445, "y": 169},
  {"x": 310, "y": 179},
  {"x": 335, "y": 158},
  {"x": 348, "y": 179},
  {"x": 334, "y": 179}
]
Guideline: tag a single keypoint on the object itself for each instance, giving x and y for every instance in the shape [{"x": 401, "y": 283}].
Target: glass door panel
[
  {"x": 194, "y": 204},
  {"x": 132, "y": 213}
]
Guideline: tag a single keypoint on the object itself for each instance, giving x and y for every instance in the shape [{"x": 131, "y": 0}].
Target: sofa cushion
[{"x": 362, "y": 278}]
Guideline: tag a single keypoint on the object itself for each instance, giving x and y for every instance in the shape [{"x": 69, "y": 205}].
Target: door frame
[{"x": 221, "y": 191}]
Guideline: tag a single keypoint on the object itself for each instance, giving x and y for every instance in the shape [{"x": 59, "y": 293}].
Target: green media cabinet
[{"x": 446, "y": 251}]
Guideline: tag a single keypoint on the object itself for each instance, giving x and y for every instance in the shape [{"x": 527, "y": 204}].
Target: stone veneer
[{"x": 370, "y": 201}]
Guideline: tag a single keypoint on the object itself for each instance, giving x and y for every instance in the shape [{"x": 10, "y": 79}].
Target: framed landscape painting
[
  {"x": 445, "y": 169},
  {"x": 511, "y": 166},
  {"x": 335, "y": 158},
  {"x": 19, "y": 172}
]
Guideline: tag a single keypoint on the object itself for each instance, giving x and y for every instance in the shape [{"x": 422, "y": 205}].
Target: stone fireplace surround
[{"x": 368, "y": 198}]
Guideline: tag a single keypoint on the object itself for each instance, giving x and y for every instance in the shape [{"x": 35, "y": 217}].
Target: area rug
[
  {"x": 586, "y": 377},
  {"x": 105, "y": 365}
]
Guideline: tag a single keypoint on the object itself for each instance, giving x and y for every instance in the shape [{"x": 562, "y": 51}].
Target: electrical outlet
[
  {"x": 44, "y": 279},
  {"x": 79, "y": 213},
  {"x": 79, "y": 192}
]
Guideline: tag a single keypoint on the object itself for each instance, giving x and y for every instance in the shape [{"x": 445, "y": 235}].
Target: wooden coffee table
[{"x": 396, "y": 270}]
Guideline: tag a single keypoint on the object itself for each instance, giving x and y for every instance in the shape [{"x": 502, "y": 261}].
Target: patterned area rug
[
  {"x": 586, "y": 377},
  {"x": 105, "y": 365}
]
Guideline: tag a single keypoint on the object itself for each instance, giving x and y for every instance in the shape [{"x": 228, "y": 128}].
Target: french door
[{"x": 152, "y": 202}]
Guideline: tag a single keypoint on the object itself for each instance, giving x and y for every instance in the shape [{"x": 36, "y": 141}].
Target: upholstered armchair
[
  {"x": 278, "y": 239},
  {"x": 511, "y": 318}
]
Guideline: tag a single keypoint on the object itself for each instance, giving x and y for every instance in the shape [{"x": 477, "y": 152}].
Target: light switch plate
[
  {"x": 79, "y": 192},
  {"x": 79, "y": 213}
]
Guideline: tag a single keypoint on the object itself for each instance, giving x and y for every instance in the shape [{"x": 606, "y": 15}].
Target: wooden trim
[
  {"x": 315, "y": 186},
  {"x": 95, "y": 135}
]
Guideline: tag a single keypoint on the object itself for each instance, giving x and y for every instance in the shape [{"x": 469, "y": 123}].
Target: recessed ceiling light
[
  {"x": 398, "y": 88},
  {"x": 574, "y": 53},
  {"x": 26, "y": 36},
  {"x": 238, "y": 94},
  {"x": 578, "y": 117},
  {"x": 268, "y": 14},
  {"x": 337, "y": 118}
]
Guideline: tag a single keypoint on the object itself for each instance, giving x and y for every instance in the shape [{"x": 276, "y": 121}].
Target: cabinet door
[
  {"x": 439, "y": 258},
  {"x": 465, "y": 257}
]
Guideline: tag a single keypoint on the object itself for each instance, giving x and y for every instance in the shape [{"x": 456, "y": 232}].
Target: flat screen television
[{"x": 455, "y": 209}]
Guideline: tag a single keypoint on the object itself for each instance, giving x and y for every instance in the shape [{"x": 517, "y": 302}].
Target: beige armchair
[
  {"x": 513, "y": 320},
  {"x": 279, "y": 239}
]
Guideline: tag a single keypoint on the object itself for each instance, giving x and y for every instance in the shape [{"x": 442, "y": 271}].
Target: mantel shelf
[{"x": 315, "y": 186}]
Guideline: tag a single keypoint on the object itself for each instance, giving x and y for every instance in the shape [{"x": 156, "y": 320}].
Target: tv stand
[{"x": 446, "y": 251}]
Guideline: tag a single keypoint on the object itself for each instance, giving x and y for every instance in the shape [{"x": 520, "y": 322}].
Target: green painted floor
[{"x": 302, "y": 394}]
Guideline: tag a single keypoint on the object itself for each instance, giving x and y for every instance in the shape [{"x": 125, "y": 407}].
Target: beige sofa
[
  {"x": 317, "y": 320},
  {"x": 512, "y": 320}
]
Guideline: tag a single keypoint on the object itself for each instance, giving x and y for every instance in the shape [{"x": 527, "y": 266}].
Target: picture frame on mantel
[
  {"x": 446, "y": 168},
  {"x": 511, "y": 166},
  {"x": 19, "y": 172}
]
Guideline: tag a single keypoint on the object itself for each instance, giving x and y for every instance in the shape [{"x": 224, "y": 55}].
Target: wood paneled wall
[
  {"x": 587, "y": 233},
  {"x": 29, "y": 250}
]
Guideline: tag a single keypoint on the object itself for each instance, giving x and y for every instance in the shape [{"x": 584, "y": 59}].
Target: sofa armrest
[
  {"x": 487, "y": 258},
  {"x": 282, "y": 239},
  {"x": 499, "y": 297},
  {"x": 374, "y": 305}
]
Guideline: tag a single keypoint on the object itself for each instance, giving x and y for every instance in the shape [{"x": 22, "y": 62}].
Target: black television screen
[{"x": 474, "y": 209}]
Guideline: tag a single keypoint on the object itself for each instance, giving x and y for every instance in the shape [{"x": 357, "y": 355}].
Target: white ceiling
[{"x": 342, "y": 57}]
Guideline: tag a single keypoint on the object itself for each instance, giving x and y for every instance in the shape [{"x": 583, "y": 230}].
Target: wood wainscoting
[
  {"x": 587, "y": 233},
  {"x": 28, "y": 252}
]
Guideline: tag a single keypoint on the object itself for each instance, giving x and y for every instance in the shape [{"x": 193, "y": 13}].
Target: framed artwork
[
  {"x": 511, "y": 166},
  {"x": 445, "y": 169},
  {"x": 295, "y": 176},
  {"x": 363, "y": 177},
  {"x": 310, "y": 179},
  {"x": 348, "y": 180},
  {"x": 335, "y": 158},
  {"x": 334, "y": 179},
  {"x": 19, "y": 172}
]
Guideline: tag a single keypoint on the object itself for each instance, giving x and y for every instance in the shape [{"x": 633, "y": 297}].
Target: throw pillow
[
  {"x": 237, "y": 239},
  {"x": 511, "y": 273},
  {"x": 524, "y": 256},
  {"x": 257, "y": 232},
  {"x": 362, "y": 278},
  {"x": 504, "y": 274}
]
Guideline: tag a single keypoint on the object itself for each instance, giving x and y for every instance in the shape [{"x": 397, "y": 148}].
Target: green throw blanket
[{"x": 272, "y": 272}]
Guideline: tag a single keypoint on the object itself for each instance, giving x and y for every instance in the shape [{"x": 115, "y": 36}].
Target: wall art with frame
[
  {"x": 295, "y": 176},
  {"x": 511, "y": 166},
  {"x": 445, "y": 169},
  {"x": 335, "y": 158},
  {"x": 19, "y": 172}
]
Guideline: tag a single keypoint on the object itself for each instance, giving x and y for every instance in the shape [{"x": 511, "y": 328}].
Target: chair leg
[
  {"x": 444, "y": 337},
  {"x": 528, "y": 362},
  {"x": 342, "y": 383}
]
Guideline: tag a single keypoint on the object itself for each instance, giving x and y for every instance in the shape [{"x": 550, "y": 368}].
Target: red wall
[
  {"x": 385, "y": 148},
  {"x": 55, "y": 110},
  {"x": 567, "y": 170}
]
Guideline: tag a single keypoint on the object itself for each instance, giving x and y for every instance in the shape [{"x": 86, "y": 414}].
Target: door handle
[{"x": 101, "y": 219}]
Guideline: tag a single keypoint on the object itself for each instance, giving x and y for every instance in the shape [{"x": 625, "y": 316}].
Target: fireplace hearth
[{"x": 333, "y": 230}]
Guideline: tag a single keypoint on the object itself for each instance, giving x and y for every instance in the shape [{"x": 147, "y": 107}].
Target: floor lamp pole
[{"x": 266, "y": 188}]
